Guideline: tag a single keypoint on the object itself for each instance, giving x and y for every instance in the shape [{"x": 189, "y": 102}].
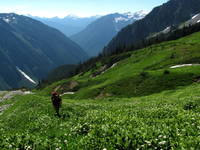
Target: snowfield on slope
[
  {"x": 183, "y": 65},
  {"x": 26, "y": 76}
]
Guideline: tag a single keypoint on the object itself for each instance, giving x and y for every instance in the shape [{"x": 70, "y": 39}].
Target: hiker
[{"x": 56, "y": 101}]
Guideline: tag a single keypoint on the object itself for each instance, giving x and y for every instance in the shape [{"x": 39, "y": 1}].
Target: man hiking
[{"x": 56, "y": 101}]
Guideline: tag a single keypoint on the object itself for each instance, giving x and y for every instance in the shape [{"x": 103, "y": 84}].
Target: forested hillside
[
  {"x": 171, "y": 13},
  {"x": 148, "y": 100},
  {"x": 29, "y": 50}
]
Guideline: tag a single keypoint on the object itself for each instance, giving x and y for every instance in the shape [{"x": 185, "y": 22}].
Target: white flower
[
  {"x": 104, "y": 149},
  {"x": 65, "y": 141},
  {"x": 10, "y": 146},
  {"x": 148, "y": 142},
  {"x": 162, "y": 143}
]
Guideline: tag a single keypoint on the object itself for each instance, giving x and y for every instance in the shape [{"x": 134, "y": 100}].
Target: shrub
[
  {"x": 144, "y": 74},
  {"x": 172, "y": 56},
  {"x": 190, "y": 106},
  {"x": 166, "y": 72}
]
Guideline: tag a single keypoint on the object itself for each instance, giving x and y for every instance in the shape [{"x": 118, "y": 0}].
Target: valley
[
  {"x": 30, "y": 49},
  {"x": 115, "y": 81},
  {"x": 153, "y": 109}
]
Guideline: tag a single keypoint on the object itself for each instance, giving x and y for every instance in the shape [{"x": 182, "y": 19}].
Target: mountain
[
  {"x": 97, "y": 34},
  {"x": 59, "y": 73},
  {"x": 163, "y": 66},
  {"x": 68, "y": 25},
  {"x": 149, "y": 100},
  {"x": 29, "y": 49},
  {"x": 195, "y": 19},
  {"x": 183, "y": 29},
  {"x": 171, "y": 13}
]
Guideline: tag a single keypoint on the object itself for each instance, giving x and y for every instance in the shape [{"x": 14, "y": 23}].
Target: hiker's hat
[{"x": 54, "y": 93}]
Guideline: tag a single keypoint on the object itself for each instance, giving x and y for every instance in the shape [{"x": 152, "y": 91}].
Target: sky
[{"x": 81, "y": 8}]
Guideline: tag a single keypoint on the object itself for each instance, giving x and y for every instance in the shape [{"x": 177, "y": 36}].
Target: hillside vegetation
[
  {"x": 144, "y": 72},
  {"x": 34, "y": 48},
  {"x": 138, "y": 102},
  {"x": 171, "y": 13}
]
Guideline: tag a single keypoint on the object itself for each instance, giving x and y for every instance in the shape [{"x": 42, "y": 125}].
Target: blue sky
[{"x": 82, "y": 8}]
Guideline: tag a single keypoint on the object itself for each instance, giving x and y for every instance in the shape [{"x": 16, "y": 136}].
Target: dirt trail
[
  {"x": 5, "y": 95},
  {"x": 10, "y": 94}
]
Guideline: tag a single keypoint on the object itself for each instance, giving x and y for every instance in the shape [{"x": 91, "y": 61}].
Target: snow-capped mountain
[
  {"x": 171, "y": 13},
  {"x": 8, "y": 18},
  {"x": 132, "y": 16},
  {"x": 192, "y": 21},
  {"x": 97, "y": 34}
]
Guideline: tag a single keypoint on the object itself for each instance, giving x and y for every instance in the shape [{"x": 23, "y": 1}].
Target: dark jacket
[{"x": 56, "y": 101}]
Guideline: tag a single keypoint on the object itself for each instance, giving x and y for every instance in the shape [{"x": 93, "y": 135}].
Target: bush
[
  {"x": 172, "y": 56},
  {"x": 144, "y": 74},
  {"x": 190, "y": 106},
  {"x": 166, "y": 72}
]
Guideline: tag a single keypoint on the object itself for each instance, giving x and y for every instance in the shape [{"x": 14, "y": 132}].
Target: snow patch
[
  {"x": 195, "y": 16},
  {"x": 166, "y": 30},
  {"x": 28, "y": 92},
  {"x": 115, "y": 64},
  {"x": 6, "y": 20},
  {"x": 68, "y": 93},
  {"x": 118, "y": 19},
  {"x": 137, "y": 15},
  {"x": 131, "y": 16},
  {"x": 26, "y": 76},
  {"x": 198, "y": 21},
  {"x": 183, "y": 65}
]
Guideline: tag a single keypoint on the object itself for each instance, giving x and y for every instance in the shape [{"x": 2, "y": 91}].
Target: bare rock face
[
  {"x": 11, "y": 94},
  {"x": 6, "y": 95},
  {"x": 70, "y": 86},
  {"x": 103, "y": 95},
  {"x": 73, "y": 84},
  {"x": 100, "y": 71}
]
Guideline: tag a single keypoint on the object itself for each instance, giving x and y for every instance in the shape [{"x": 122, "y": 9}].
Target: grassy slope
[
  {"x": 166, "y": 120},
  {"x": 143, "y": 72},
  {"x": 167, "y": 117}
]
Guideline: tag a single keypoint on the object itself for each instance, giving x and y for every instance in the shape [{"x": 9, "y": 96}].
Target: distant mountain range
[
  {"x": 68, "y": 25},
  {"x": 97, "y": 34},
  {"x": 171, "y": 13},
  {"x": 29, "y": 49}
]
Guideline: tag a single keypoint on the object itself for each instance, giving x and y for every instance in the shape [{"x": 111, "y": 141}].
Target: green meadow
[{"x": 140, "y": 103}]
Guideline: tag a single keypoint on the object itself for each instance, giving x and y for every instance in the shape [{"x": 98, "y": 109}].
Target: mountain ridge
[
  {"x": 97, "y": 34},
  {"x": 34, "y": 48},
  {"x": 68, "y": 25},
  {"x": 172, "y": 12}
]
